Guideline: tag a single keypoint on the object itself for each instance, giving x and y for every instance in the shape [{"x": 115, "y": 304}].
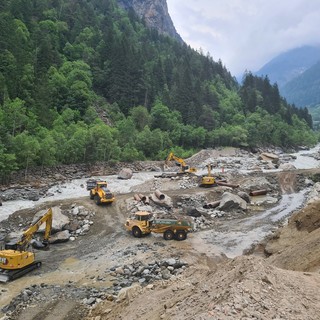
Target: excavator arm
[
  {"x": 27, "y": 235},
  {"x": 180, "y": 162}
]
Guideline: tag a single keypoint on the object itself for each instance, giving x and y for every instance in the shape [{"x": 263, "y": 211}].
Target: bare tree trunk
[{"x": 26, "y": 171}]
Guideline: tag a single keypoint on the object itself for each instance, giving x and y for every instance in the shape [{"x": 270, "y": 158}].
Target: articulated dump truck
[{"x": 143, "y": 224}]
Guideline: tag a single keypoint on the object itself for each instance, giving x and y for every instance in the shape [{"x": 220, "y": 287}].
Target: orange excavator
[{"x": 16, "y": 260}]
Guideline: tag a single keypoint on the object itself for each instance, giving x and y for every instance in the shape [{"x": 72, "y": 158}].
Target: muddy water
[
  {"x": 232, "y": 237},
  {"x": 75, "y": 189}
]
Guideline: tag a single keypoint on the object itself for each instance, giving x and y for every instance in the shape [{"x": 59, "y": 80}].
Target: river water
[{"x": 75, "y": 189}]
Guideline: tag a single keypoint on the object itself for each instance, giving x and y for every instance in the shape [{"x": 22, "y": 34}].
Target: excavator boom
[{"x": 184, "y": 168}]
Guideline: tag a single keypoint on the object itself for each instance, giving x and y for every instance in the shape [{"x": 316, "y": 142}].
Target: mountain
[
  {"x": 304, "y": 90},
  {"x": 86, "y": 81},
  {"x": 289, "y": 65},
  {"x": 154, "y": 13}
]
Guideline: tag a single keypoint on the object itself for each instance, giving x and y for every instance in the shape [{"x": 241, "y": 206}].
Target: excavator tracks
[{"x": 9, "y": 275}]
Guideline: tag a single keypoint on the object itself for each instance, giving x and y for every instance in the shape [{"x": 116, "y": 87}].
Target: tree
[
  {"x": 149, "y": 142},
  {"x": 101, "y": 141},
  {"x": 26, "y": 148},
  {"x": 15, "y": 116},
  {"x": 141, "y": 117},
  {"x": 8, "y": 164},
  {"x": 48, "y": 148}
]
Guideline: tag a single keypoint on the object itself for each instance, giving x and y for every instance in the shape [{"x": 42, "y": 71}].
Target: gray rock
[
  {"x": 125, "y": 174},
  {"x": 231, "y": 201},
  {"x": 245, "y": 196},
  {"x": 62, "y": 236}
]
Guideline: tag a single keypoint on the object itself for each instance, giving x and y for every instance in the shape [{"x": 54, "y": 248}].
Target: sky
[{"x": 246, "y": 34}]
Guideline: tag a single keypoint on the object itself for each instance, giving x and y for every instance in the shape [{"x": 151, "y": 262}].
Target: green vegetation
[{"x": 85, "y": 81}]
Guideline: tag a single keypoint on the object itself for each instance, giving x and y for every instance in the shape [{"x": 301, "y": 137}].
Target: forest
[{"x": 84, "y": 81}]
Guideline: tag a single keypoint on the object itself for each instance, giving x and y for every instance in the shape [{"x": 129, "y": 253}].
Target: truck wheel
[
  {"x": 91, "y": 195},
  {"x": 181, "y": 235},
  {"x": 168, "y": 235},
  {"x": 136, "y": 232},
  {"x": 97, "y": 199}
]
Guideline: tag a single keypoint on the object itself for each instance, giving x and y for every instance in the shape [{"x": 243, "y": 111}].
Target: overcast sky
[{"x": 246, "y": 34}]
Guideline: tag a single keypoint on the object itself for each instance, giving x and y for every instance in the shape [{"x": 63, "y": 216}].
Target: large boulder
[
  {"x": 62, "y": 236},
  {"x": 125, "y": 174},
  {"x": 59, "y": 220},
  {"x": 231, "y": 201},
  {"x": 267, "y": 156}
]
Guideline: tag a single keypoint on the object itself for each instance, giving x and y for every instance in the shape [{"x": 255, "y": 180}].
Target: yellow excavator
[
  {"x": 208, "y": 180},
  {"x": 184, "y": 168},
  {"x": 15, "y": 259}
]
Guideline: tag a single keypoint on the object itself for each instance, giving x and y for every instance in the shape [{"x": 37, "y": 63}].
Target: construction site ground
[{"x": 279, "y": 279}]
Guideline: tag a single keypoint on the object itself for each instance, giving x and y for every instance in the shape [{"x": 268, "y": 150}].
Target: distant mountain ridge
[
  {"x": 289, "y": 65},
  {"x": 297, "y": 73},
  {"x": 304, "y": 90}
]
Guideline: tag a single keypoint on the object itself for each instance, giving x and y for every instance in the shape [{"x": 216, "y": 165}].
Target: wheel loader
[
  {"x": 99, "y": 192},
  {"x": 143, "y": 224}
]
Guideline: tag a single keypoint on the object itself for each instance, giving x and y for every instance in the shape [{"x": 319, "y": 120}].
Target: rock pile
[
  {"x": 41, "y": 294},
  {"x": 146, "y": 273}
]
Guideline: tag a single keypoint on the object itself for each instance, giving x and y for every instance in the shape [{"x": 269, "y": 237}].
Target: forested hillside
[{"x": 83, "y": 80}]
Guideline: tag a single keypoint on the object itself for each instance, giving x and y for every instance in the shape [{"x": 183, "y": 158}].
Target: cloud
[{"x": 246, "y": 34}]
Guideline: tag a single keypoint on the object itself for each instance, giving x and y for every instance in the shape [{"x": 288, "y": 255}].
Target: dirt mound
[
  {"x": 308, "y": 219},
  {"x": 296, "y": 246},
  {"x": 243, "y": 288}
]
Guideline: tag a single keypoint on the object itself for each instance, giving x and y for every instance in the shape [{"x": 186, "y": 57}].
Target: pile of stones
[{"x": 146, "y": 273}]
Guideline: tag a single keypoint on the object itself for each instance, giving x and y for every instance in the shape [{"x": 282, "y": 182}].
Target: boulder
[
  {"x": 59, "y": 220},
  {"x": 62, "y": 236},
  {"x": 244, "y": 196},
  {"x": 231, "y": 201},
  {"x": 267, "y": 156},
  {"x": 193, "y": 212},
  {"x": 125, "y": 174}
]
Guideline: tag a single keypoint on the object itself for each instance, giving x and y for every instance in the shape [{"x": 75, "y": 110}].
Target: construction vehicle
[
  {"x": 143, "y": 224},
  {"x": 99, "y": 191},
  {"x": 184, "y": 168},
  {"x": 15, "y": 259},
  {"x": 208, "y": 180}
]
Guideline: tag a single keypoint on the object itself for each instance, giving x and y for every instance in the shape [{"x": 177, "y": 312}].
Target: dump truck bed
[{"x": 160, "y": 225}]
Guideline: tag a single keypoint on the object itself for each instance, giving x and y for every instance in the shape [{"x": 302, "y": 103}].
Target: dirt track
[{"x": 212, "y": 287}]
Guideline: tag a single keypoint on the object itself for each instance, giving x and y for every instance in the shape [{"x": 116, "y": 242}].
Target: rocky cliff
[{"x": 154, "y": 13}]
